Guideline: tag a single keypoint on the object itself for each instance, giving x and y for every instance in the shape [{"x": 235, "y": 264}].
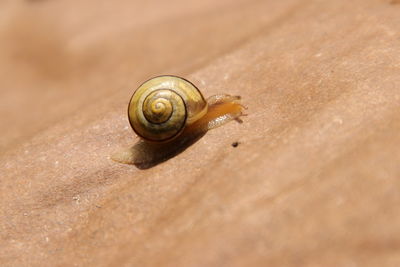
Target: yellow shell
[{"x": 162, "y": 107}]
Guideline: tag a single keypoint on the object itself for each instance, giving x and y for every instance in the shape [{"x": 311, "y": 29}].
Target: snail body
[{"x": 169, "y": 113}]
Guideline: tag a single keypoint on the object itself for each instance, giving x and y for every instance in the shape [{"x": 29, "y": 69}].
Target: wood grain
[{"x": 314, "y": 180}]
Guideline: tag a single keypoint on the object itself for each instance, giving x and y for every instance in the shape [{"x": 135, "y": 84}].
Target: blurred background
[{"x": 58, "y": 57}]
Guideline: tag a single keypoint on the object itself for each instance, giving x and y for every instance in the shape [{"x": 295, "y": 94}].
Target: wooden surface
[{"x": 314, "y": 181}]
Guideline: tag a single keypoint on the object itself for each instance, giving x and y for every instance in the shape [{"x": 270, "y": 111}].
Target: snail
[{"x": 169, "y": 113}]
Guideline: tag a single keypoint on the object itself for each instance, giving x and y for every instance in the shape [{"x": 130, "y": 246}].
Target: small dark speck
[
  {"x": 97, "y": 206},
  {"x": 235, "y": 144}
]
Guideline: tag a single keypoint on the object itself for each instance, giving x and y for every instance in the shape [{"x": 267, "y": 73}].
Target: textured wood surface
[{"x": 314, "y": 180}]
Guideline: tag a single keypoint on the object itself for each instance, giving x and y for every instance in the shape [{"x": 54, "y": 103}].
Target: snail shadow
[
  {"x": 151, "y": 155},
  {"x": 145, "y": 155}
]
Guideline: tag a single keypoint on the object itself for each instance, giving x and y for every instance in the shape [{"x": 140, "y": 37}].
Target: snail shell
[
  {"x": 162, "y": 107},
  {"x": 169, "y": 114}
]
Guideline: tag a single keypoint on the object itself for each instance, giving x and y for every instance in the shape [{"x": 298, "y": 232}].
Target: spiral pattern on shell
[
  {"x": 161, "y": 107},
  {"x": 157, "y": 107}
]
